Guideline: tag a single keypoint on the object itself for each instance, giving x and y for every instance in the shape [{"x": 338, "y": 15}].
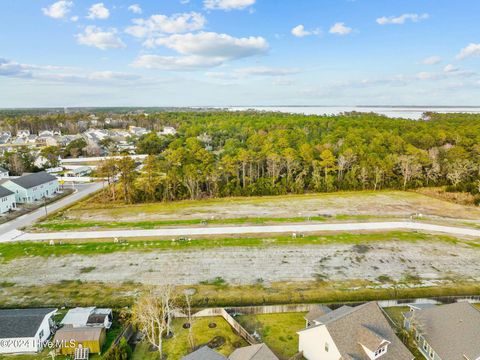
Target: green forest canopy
[{"x": 263, "y": 153}]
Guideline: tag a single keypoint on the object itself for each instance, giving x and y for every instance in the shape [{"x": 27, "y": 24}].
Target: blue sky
[{"x": 239, "y": 52}]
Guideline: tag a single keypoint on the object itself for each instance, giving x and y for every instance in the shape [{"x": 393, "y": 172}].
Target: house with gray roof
[
  {"x": 32, "y": 187},
  {"x": 3, "y": 173},
  {"x": 7, "y": 200},
  {"x": 25, "y": 330},
  {"x": 352, "y": 333},
  {"x": 204, "y": 353},
  {"x": 446, "y": 332},
  {"x": 253, "y": 352},
  {"x": 315, "y": 312}
]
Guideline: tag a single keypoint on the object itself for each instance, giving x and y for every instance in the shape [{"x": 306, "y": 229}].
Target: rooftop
[
  {"x": 22, "y": 322},
  {"x": 254, "y": 352},
  {"x": 31, "y": 180},
  {"x": 452, "y": 330},
  {"x": 204, "y": 353},
  {"x": 353, "y": 328}
]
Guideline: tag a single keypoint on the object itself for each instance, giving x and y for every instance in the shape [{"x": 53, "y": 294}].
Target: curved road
[
  {"x": 9, "y": 231},
  {"x": 229, "y": 230}
]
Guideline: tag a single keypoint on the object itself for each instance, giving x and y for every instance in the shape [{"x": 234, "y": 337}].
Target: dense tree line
[{"x": 250, "y": 153}]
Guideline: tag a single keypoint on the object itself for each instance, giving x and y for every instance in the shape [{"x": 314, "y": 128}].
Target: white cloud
[
  {"x": 468, "y": 51},
  {"x": 213, "y": 44},
  {"x": 340, "y": 29},
  {"x": 58, "y": 10},
  {"x": 201, "y": 50},
  {"x": 180, "y": 63},
  {"x": 402, "y": 19},
  {"x": 101, "y": 39},
  {"x": 450, "y": 68},
  {"x": 246, "y": 72},
  {"x": 227, "y": 4},
  {"x": 432, "y": 60},
  {"x": 135, "y": 8},
  {"x": 299, "y": 31},
  {"x": 265, "y": 71},
  {"x": 156, "y": 25},
  {"x": 50, "y": 73},
  {"x": 98, "y": 11},
  {"x": 74, "y": 18}
]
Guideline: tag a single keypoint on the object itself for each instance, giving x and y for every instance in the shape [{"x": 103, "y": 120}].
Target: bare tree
[
  {"x": 458, "y": 170},
  {"x": 410, "y": 168},
  {"x": 191, "y": 319},
  {"x": 153, "y": 314}
]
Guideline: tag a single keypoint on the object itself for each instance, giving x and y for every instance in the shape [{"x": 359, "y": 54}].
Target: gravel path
[{"x": 229, "y": 230}]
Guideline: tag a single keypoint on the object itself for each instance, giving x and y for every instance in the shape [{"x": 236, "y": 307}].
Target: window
[
  {"x": 40, "y": 335},
  {"x": 380, "y": 351},
  {"x": 326, "y": 347}
]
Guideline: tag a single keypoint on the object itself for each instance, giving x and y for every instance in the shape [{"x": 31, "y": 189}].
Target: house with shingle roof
[
  {"x": 315, "y": 312},
  {"x": 253, "y": 352},
  {"x": 352, "y": 333},
  {"x": 32, "y": 187},
  {"x": 204, "y": 353},
  {"x": 7, "y": 200},
  {"x": 446, "y": 332},
  {"x": 3, "y": 173},
  {"x": 25, "y": 330}
]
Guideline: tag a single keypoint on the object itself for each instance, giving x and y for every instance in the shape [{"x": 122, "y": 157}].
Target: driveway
[
  {"x": 9, "y": 231},
  {"x": 233, "y": 230}
]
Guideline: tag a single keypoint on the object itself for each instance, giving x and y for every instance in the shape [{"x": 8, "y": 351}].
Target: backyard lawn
[
  {"x": 278, "y": 331},
  {"x": 178, "y": 346}
]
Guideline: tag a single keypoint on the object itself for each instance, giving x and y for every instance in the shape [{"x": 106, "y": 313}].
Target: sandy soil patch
[
  {"x": 397, "y": 260},
  {"x": 387, "y": 203}
]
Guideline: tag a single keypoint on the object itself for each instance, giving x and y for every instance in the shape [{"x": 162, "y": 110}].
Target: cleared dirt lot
[
  {"x": 368, "y": 203},
  {"x": 401, "y": 261}
]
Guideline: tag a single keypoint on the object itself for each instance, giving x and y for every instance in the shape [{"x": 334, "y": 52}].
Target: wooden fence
[{"x": 237, "y": 328}]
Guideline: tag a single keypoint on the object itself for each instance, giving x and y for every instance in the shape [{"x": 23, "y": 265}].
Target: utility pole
[{"x": 45, "y": 205}]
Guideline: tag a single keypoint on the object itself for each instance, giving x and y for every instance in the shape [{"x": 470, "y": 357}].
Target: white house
[
  {"x": 167, "y": 130},
  {"x": 23, "y": 134},
  {"x": 32, "y": 187},
  {"x": 360, "y": 332},
  {"x": 7, "y": 200},
  {"x": 25, "y": 330},
  {"x": 88, "y": 316},
  {"x": 3, "y": 173}
]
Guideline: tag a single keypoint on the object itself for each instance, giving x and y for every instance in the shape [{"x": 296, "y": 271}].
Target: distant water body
[{"x": 414, "y": 113}]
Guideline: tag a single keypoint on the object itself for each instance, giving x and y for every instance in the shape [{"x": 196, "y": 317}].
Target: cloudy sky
[{"x": 239, "y": 52}]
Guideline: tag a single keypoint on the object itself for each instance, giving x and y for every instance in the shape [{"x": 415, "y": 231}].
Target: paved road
[
  {"x": 9, "y": 231},
  {"x": 229, "y": 230}
]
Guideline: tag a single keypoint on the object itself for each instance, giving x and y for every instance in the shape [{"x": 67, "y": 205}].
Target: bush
[{"x": 122, "y": 351}]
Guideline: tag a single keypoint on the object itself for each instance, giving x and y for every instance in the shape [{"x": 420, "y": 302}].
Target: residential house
[
  {"x": 79, "y": 171},
  {"x": 5, "y": 137},
  {"x": 7, "y": 200},
  {"x": 88, "y": 317},
  {"x": 315, "y": 313},
  {"x": 253, "y": 352},
  {"x": 167, "y": 130},
  {"x": 353, "y": 333},
  {"x": 23, "y": 134},
  {"x": 25, "y": 330},
  {"x": 204, "y": 353},
  {"x": 446, "y": 332},
  {"x": 138, "y": 131},
  {"x": 89, "y": 339},
  {"x": 32, "y": 187},
  {"x": 3, "y": 173}
]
